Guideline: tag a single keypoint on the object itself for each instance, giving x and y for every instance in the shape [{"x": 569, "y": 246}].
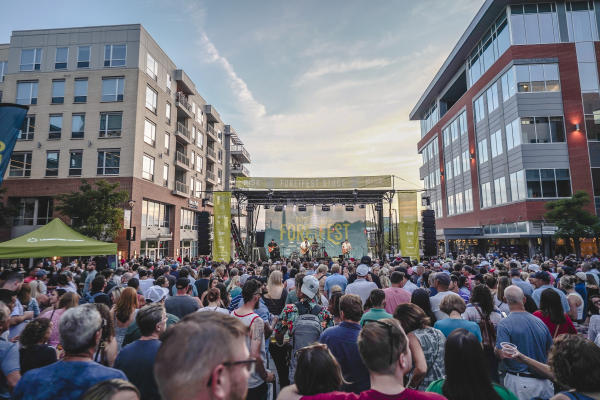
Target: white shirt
[
  {"x": 409, "y": 286},
  {"x": 145, "y": 284},
  {"x": 435, "y": 304},
  {"x": 362, "y": 288}
]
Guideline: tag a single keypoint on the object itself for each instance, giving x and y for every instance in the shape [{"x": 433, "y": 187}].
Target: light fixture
[
  {"x": 577, "y": 128},
  {"x": 131, "y": 203},
  {"x": 302, "y": 207},
  {"x": 266, "y": 207},
  {"x": 278, "y": 208},
  {"x": 361, "y": 206},
  {"x": 325, "y": 208},
  {"x": 472, "y": 156},
  {"x": 349, "y": 208},
  {"x": 250, "y": 207}
]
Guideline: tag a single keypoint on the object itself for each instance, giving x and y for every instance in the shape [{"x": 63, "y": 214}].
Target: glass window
[
  {"x": 80, "y": 90},
  {"x": 27, "y": 92},
  {"x": 166, "y": 175},
  {"x": 465, "y": 161},
  {"x": 588, "y": 76},
  {"x": 549, "y": 30},
  {"x": 492, "y": 98},
  {"x": 83, "y": 57},
  {"x": 552, "y": 78},
  {"x": 52, "y": 163},
  {"x": 151, "y": 66},
  {"x": 77, "y": 126},
  {"x": 75, "y": 162},
  {"x": 500, "y": 190},
  {"x": 528, "y": 130},
  {"x": 548, "y": 183},
  {"x": 149, "y": 132},
  {"x": 483, "y": 151},
  {"x": 596, "y": 180},
  {"x": 58, "y": 91},
  {"x": 522, "y": 74},
  {"x": 151, "y": 99},
  {"x": 55, "y": 128},
  {"x": 557, "y": 129},
  {"x": 486, "y": 195},
  {"x": 532, "y": 28},
  {"x": 3, "y": 65},
  {"x": 27, "y": 129},
  {"x": 592, "y": 127},
  {"x": 542, "y": 129},
  {"x": 110, "y": 124},
  {"x": 62, "y": 56},
  {"x": 493, "y": 44},
  {"x": 169, "y": 83},
  {"x": 496, "y": 143},
  {"x": 449, "y": 170},
  {"x": 563, "y": 183},
  {"x": 534, "y": 188},
  {"x": 580, "y": 21},
  {"x": 536, "y": 74},
  {"x": 198, "y": 163},
  {"x": 479, "y": 109},
  {"x": 167, "y": 142},
  {"x": 20, "y": 164},
  {"x": 168, "y": 113},
  {"x": 114, "y": 55},
  {"x": 31, "y": 59},
  {"x": 509, "y": 86},
  {"x": 112, "y": 89},
  {"x": 108, "y": 162},
  {"x": 148, "y": 167}
]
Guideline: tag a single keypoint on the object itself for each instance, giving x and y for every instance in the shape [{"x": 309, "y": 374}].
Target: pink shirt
[
  {"x": 407, "y": 394},
  {"x": 394, "y": 297},
  {"x": 54, "y": 316}
]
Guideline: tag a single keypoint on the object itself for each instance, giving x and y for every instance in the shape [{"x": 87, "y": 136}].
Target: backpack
[
  {"x": 488, "y": 332},
  {"x": 307, "y": 330}
]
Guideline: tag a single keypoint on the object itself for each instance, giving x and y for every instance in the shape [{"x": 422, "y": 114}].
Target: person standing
[
  {"x": 441, "y": 282},
  {"x": 541, "y": 281},
  {"x": 335, "y": 279},
  {"x": 361, "y": 286},
  {"x": 182, "y": 303},
  {"x": 377, "y": 311},
  {"x": 10, "y": 372},
  {"x": 396, "y": 295}
]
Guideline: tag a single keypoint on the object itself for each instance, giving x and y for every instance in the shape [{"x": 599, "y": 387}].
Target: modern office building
[
  {"x": 108, "y": 103},
  {"x": 511, "y": 121}
]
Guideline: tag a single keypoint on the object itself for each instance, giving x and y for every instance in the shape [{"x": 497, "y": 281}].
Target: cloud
[{"x": 323, "y": 68}]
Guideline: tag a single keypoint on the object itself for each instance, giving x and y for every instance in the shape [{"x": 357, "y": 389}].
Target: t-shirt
[
  {"x": 406, "y": 394},
  {"x": 436, "y": 301},
  {"x": 36, "y": 356},
  {"x": 450, "y": 324},
  {"x": 133, "y": 331},
  {"x": 362, "y": 288},
  {"x": 65, "y": 380},
  {"x": 136, "y": 360},
  {"x": 567, "y": 327},
  {"x": 375, "y": 314},
  {"x": 504, "y": 393},
  {"x": 9, "y": 362},
  {"x": 394, "y": 296},
  {"x": 181, "y": 306}
]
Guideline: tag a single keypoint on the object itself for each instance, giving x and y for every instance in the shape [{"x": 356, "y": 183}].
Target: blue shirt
[
  {"x": 136, "y": 360},
  {"x": 529, "y": 334},
  {"x": 525, "y": 286},
  {"x": 447, "y": 325},
  {"x": 63, "y": 380},
  {"x": 335, "y": 279},
  {"x": 537, "y": 295},
  {"x": 342, "y": 341},
  {"x": 9, "y": 362}
]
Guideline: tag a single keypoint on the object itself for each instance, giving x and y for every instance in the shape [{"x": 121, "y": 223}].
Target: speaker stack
[
  {"x": 204, "y": 233},
  {"x": 429, "y": 239}
]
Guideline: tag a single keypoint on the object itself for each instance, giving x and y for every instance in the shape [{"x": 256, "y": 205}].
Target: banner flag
[
  {"x": 11, "y": 120},
  {"x": 348, "y": 182},
  {"x": 221, "y": 248},
  {"x": 408, "y": 224}
]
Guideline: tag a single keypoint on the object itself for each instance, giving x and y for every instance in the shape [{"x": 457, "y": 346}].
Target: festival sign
[
  {"x": 326, "y": 229},
  {"x": 11, "y": 120},
  {"x": 221, "y": 249},
  {"x": 408, "y": 224},
  {"x": 332, "y": 183}
]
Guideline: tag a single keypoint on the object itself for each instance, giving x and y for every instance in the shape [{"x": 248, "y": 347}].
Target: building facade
[
  {"x": 108, "y": 103},
  {"x": 511, "y": 121}
]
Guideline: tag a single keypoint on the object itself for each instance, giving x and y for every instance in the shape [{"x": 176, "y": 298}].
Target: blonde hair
[
  {"x": 275, "y": 279},
  {"x": 116, "y": 293},
  {"x": 385, "y": 281},
  {"x": 233, "y": 283}
]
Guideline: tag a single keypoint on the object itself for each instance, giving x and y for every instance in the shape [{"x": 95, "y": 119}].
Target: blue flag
[{"x": 11, "y": 120}]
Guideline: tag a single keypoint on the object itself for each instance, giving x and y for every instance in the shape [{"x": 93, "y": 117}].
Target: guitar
[
  {"x": 272, "y": 247},
  {"x": 304, "y": 248},
  {"x": 346, "y": 247}
]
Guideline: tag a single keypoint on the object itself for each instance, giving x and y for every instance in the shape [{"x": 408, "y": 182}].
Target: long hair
[
  {"x": 420, "y": 297},
  {"x": 467, "y": 376},
  {"x": 275, "y": 280},
  {"x": 68, "y": 300},
  {"x": 128, "y": 302},
  {"x": 318, "y": 371},
  {"x": 551, "y": 306},
  {"x": 482, "y": 296}
]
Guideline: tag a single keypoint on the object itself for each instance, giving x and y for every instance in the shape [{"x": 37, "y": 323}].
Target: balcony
[
  {"x": 183, "y": 133},
  {"x": 208, "y": 197},
  {"x": 181, "y": 160},
  {"x": 239, "y": 170},
  {"x": 211, "y": 114},
  {"x": 211, "y": 153},
  {"x": 181, "y": 189},
  {"x": 240, "y": 153},
  {"x": 211, "y": 132},
  {"x": 182, "y": 103},
  {"x": 210, "y": 175}
]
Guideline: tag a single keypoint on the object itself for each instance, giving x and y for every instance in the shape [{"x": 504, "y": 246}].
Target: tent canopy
[{"x": 54, "y": 239}]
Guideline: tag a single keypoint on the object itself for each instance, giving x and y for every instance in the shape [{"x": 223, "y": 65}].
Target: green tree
[
  {"x": 572, "y": 219},
  {"x": 95, "y": 212}
]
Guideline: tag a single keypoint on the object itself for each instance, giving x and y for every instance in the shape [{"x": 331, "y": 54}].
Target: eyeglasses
[
  {"x": 250, "y": 365},
  {"x": 390, "y": 336}
]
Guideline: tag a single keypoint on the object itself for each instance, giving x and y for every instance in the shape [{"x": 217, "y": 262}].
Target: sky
[{"x": 313, "y": 88}]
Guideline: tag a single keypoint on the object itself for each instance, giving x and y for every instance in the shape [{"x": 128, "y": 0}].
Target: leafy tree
[
  {"x": 572, "y": 219},
  {"x": 95, "y": 212}
]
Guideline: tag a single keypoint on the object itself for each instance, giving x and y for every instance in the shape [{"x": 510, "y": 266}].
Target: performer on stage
[
  {"x": 304, "y": 249},
  {"x": 273, "y": 250},
  {"x": 346, "y": 248}
]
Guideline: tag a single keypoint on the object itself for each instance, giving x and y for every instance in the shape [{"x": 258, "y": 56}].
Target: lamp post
[{"x": 130, "y": 203}]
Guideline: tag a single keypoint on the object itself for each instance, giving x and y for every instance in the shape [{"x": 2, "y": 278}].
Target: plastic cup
[{"x": 509, "y": 348}]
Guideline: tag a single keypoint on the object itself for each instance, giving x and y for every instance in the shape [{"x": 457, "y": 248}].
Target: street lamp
[{"x": 131, "y": 203}]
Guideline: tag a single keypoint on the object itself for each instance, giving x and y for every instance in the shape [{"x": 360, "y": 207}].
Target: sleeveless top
[
  {"x": 248, "y": 319},
  {"x": 120, "y": 332},
  {"x": 432, "y": 342},
  {"x": 581, "y": 306}
]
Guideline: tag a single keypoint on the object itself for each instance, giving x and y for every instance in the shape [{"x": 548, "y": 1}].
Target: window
[
  {"x": 534, "y": 23},
  {"x": 429, "y": 120},
  {"x": 192, "y": 159},
  {"x": 509, "y": 85},
  {"x": 483, "y": 151},
  {"x": 492, "y": 98},
  {"x": 496, "y": 142},
  {"x": 449, "y": 170},
  {"x": 517, "y": 186},
  {"x": 148, "y": 167},
  {"x": 151, "y": 66},
  {"x": 500, "y": 190},
  {"x": 548, "y": 183},
  {"x": 52, "y": 163},
  {"x": 114, "y": 55},
  {"x": 83, "y": 57},
  {"x": 33, "y": 211},
  {"x": 80, "y": 90},
  {"x": 219, "y": 176},
  {"x": 513, "y": 134},
  {"x": 479, "y": 109},
  {"x": 3, "y": 65},
  {"x": 166, "y": 175},
  {"x": 534, "y": 78},
  {"x": 199, "y": 138},
  {"x": 167, "y": 142},
  {"x": 27, "y": 129},
  {"x": 596, "y": 181},
  {"x": 149, "y": 133},
  {"x": 456, "y": 166},
  {"x": 468, "y": 200},
  {"x": 188, "y": 219},
  {"x": 20, "y": 164},
  {"x": 450, "y": 202},
  {"x": 198, "y": 189},
  {"x": 199, "y": 116},
  {"x": 112, "y": 89},
  {"x": 459, "y": 204},
  {"x": 151, "y": 99},
  {"x": 58, "y": 91},
  {"x": 168, "y": 113},
  {"x": 55, "y": 128},
  {"x": 110, "y": 124},
  {"x": 155, "y": 214},
  {"x": 31, "y": 59},
  {"x": 542, "y": 129},
  {"x": 486, "y": 195},
  {"x": 198, "y": 163},
  {"x": 586, "y": 63},
  {"x": 465, "y": 161},
  {"x": 446, "y": 136},
  {"x": 62, "y": 56},
  {"x": 27, "y": 92},
  {"x": 108, "y": 162},
  {"x": 592, "y": 126},
  {"x": 75, "y": 162},
  {"x": 77, "y": 126},
  {"x": 169, "y": 83},
  {"x": 220, "y": 156},
  {"x": 492, "y": 45},
  {"x": 581, "y": 22}
]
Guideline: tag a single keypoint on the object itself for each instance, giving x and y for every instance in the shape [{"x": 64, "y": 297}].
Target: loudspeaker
[
  {"x": 429, "y": 237},
  {"x": 204, "y": 247},
  {"x": 260, "y": 239}
]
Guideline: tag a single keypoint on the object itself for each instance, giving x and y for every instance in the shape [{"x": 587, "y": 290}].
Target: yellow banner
[
  {"x": 408, "y": 224},
  {"x": 348, "y": 182},
  {"x": 221, "y": 249}
]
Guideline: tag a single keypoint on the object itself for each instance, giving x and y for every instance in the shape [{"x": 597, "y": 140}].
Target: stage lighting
[
  {"x": 278, "y": 208},
  {"x": 349, "y": 208},
  {"x": 361, "y": 206},
  {"x": 250, "y": 207},
  {"x": 266, "y": 207},
  {"x": 325, "y": 208},
  {"x": 378, "y": 207},
  {"x": 301, "y": 208}
]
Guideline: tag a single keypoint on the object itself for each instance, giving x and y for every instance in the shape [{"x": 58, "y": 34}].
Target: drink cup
[{"x": 509, "y": 348}]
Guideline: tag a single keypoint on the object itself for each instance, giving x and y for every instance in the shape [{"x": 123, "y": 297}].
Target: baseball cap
[
  {"x": 310, "y": 286},
  {"x": 182, "y": 283},
  {"x": 41, "y": 273},
  {"x": 543, "y": 275},
  {"x": 362, "y": 270},
  {"x": 155, "y": 294},
  {"x": 443, "y": 278},
  {"x": 533, "y": 267},
  {"x": 365, "y": 260}
]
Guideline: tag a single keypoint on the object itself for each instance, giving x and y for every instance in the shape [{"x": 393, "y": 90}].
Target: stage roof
[{"x": 309, "y": 197}]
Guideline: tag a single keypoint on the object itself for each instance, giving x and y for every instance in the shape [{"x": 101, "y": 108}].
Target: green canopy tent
[{"x": 54, "y": 239}]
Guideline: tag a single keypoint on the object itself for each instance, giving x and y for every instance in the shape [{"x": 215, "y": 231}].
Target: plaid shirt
[{"x": 290, "y": 313}]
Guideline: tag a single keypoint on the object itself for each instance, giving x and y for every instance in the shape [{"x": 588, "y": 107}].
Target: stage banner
[
  {"x": 11, "y": 120},
  {"x": 328, "y": 229},
  {"x": 408, "y": 224},
  {"x": 221, "y": 249},
  {"x": 348, "y": 182}
]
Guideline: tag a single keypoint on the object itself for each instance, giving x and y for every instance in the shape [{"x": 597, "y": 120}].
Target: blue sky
[{"x": 314, "y": 88}]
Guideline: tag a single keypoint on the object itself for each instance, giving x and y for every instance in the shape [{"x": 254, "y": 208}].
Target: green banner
[
  {"x": 408, "y": 224},
  {"x": 221, "y": 249},
  {"x": 348, "y": 182}
]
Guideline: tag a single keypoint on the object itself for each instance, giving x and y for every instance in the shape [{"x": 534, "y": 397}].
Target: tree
[
  {"x": 7, "y": 210},
  {"x": 572, "y": 219},
  {"x": 95, "y": 212}
]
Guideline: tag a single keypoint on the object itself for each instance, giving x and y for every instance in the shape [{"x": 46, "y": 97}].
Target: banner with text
[
  {"x": 348, "y": 182},
  {"x": 408, "y": 224},
  {"x": 11, "y": 121},
  {"x": 221, "y": 249},
  {"x": 329, "y": 229}
]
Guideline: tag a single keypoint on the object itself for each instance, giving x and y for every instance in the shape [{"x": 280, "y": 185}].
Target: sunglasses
[{"x": 390, "y": 336}]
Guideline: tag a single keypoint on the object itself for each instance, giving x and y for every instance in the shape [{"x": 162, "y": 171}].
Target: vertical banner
[
  {"x": 221, "y": 249},
  {"x": 11, "y": 120},
  {"x": 408, "y": 224}
]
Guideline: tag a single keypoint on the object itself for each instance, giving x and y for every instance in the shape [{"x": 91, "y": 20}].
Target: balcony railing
[
  {"x": 209, "y": 197},
  {"x": 211, "y": 131},
  {"x": 181, "y": 187},
  {"x": 182, "y": 130},
  {"x": 182, "y": 158},
  {"x": 211, "y": 153},
  {"x": 210, "y": 175},
  {"x": 239, "y": 169},
  {"x": 183, "y": 101},
  {"x": 240, "y": 149}
]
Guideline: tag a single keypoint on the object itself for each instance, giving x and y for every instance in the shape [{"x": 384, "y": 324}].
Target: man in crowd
[
  {"x": 441, "y": 282},
  {"x": 202, "y": 283},
  {"x": 91, "y": 274},
  {"x": 9, "y": 354},
  {"x": 96, "y": 294},
  {"x": 396, "y": 294},
  {"x": 541, "y": 281},
  {"x": 137, "y": 359},
  {"x": 515, "y": 277},
  {"x": 12, "y": 281},
  {"x": 335, "y": 279},
  {"x": 361, "y": 286},
  {"x": 182, "y": 303},
  {"x": 342, "y": 341},
  {"x": 80, "y": 331}
]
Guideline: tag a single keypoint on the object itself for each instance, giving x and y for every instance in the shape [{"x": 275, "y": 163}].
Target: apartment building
[
  {"x": 108, "y": 103},
  {"x": 511, "y": 121}
]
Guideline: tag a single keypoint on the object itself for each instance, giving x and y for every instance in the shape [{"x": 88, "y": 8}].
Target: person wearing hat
[
  {"x": 541, "y": 281},
  {"x": 515, "y": 276},
  {"x": 182, "y": 303},
  {"x": 441, "y": 283},
  {"x": 361, "y": 286}
]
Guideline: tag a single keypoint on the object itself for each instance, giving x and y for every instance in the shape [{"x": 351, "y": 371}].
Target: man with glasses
[{"x": 257, "y": 382}]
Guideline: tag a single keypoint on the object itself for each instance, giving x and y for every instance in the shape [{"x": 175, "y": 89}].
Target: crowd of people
[{"x": 490, "y": 326}]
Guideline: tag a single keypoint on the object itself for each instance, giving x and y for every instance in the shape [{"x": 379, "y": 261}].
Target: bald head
[{"x": 514, "y": 295}]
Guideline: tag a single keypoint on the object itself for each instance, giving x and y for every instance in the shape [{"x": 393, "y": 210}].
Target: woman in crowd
[
  {"x": 212, "y": 302},
  {"x": 234, "y": 288},
  {"x": 276, "y": 293},
  {"x": 426, "y": 345},
  {"x": 115, "y": 293},
  {"x": 420, "y": 297},
  {"x": 106, "y": 353},
  {"x": 123, "y": 314},
  {"x": 53, "y": 299},
  {"x": 594, "y": 326},
  {"x": 552, "y": 314},
  {"x": 499, "y": 299},
  {"x": 34, "y": 351},
  {"x": 66, "y": 301},
  {"x": 467, "y": 375},
  {"x": 28, "y": 301},
  {"x": 212, "y": 283},
  {"x": 334, "y": 304},
  {"x": 135, "y": 283},
  {"x": 225, "y": 299},
  {"x": 455, "y": 306},
  {"x": 482, "y": 306},
  {"x": 37, "y": 288},
  {"x": 113, "y": 389},
  {"x": 576, "y": 304}
]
